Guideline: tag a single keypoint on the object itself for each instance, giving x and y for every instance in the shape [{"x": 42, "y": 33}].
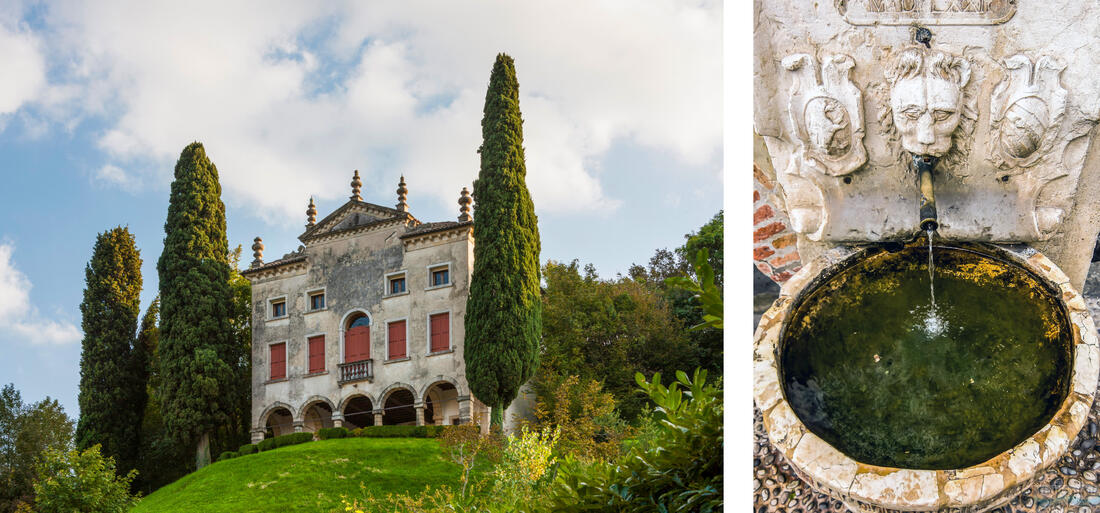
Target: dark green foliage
[
  {"x": 227, "y": 455},
  {"x": 677, "y": 469},
  {"x": 163, "y": 459},
  {"x": 336, "y": 432},
  {"x": 247, "y": 449},
  {"x": 503, "y": 311},
  {"x": 400, "y": 431},
  {"x": 26, "y": 433},
  {"x": 197, "y": 351},
  {"x": 112, "y": 365},
  {"x": 666, "y": 264},
  {"x": 606, "y": 330}
]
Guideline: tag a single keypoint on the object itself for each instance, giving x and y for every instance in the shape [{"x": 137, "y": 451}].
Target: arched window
[{"x": 357, "y": 339}]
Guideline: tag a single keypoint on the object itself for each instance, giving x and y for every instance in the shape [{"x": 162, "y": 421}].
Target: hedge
[
  {"x": 227, "y": 455},
  {"x": 400, "y": 431},
  {"x": 247, "y": 449},
  {"x": 336, "y": 432}
]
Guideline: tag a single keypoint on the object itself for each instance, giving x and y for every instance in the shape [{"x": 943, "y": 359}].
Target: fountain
[{"x": 933, "y": 161}]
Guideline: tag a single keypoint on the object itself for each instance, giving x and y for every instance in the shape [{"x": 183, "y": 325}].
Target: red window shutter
[
  {"x": 441, "y": 332},
  {"x": 357, "y": 344},
  {"x": 397, "y": 339},
  {"x": 278, "y": 361},
  {"x": 317, "y": 354}
]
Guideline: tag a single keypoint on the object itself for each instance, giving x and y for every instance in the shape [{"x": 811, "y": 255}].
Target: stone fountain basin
[{"x": 979, "y": 486}]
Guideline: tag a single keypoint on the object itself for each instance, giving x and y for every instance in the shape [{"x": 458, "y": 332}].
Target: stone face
[{"x": 1004, "y": 92}]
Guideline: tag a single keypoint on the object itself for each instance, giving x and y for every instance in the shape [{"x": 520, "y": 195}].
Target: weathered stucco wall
[
  {"x": 1005, "y": 94},
  {"x": 352, "y": 272}
]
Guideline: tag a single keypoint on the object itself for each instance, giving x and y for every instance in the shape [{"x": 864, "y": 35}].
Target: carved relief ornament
[
  {"x": 1027, "y": 108},
  {"x": 926, "y": 12},
  {"x": 826, "y": 114}
]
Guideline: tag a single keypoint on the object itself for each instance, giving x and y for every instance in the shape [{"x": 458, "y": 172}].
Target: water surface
[{"x": 872, "y": 368}]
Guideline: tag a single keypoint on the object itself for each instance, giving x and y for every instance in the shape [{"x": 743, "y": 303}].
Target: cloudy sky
[{"x": 622, "y": 103}]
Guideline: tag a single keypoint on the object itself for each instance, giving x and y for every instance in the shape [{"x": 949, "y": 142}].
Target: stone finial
[
  {"x": 402, "y": 195},
  {"x": 257, "y": 252},
  {"x": 356, "y": 184},
  {"x": 464, "y": 206},
  {"x": 311, "y": 214}
]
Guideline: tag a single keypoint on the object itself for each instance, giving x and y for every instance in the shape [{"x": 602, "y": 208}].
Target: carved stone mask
[{"x": 925, "y": 97}]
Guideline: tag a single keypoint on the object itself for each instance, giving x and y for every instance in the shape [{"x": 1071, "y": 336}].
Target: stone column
[
  {"x": 299, "y": 426},
  {"x": 337, "y": 419},
  {"x": 257, "y": 435},
  {"x": 378, "y": 417},
  {"x": 463, "y": 409},
  {"x": 419, "y": 413}
]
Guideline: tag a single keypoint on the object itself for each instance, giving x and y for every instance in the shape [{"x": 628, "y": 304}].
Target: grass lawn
[{"x": 307, "y": 477}]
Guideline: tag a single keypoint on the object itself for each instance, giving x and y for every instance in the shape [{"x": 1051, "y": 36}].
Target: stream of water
[{"x": 931, "y": 271}]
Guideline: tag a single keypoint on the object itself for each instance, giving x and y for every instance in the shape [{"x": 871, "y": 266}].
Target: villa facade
[{"x": 363, "y": 324}]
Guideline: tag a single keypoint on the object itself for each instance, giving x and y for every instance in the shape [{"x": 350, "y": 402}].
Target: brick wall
[{"x": 774, "y": 249}]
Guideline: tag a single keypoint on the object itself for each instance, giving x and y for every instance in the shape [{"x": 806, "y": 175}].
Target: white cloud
[
  {"x": 288, "y": 99},
  {"x": 118, "y": 177},
  {"x": 19, "y": 316},
  {"x": 24, "y": 69}
]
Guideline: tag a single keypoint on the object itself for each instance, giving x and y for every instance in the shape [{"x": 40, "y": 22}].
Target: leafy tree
[
  {"x": 503, "y": 311},
  {"x": 27, "y": 432},
  {"x": 235, "y": 431},
  {"x": 196, "y": 347},
  {"x": 680, "y": 262},
  {"x": 112, "y": 377},
  {"x": 606, "y": 330},
  {"x": 585, "y": 415},
  {"x": 85, "y": 481}
]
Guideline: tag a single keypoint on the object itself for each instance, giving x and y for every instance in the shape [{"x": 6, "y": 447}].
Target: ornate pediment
[{"x": 351, "y": 216}]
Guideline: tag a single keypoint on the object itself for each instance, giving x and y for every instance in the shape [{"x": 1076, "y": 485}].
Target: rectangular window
[
  {"x": 440, "y": 325},
  {"x": 396, "y": 340},
  {"x": 278, "y": 309},
  {"x": 317, "y": 301},
  {"x": 440, "y": 276},
  {"x": 278, "y": 360},
  {"x": 397, "y": 285},
  {"x": 317, "y": 354}
]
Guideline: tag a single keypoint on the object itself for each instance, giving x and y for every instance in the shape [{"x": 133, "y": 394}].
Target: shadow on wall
[{"x": 764, "y": 292}]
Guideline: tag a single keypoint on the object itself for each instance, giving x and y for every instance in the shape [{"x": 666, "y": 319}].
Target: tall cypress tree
[
  {"x": 503, "y": 311},
  {"x": 108, "y": 387},
  {"x": 195, "y": 306}
]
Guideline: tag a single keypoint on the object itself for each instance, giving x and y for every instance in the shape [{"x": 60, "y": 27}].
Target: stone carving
[
  {"x": 1031, "y": 133},
  {"x": 826, "y": 114},
  {"x": 825, "y": 120},
  {"x": 929, "y": 106},
  {"x": 1026, "y": 110},
  {"x": 926, "y": 12}
]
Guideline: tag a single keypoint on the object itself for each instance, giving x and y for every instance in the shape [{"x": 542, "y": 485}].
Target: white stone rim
[{"x": 994, "y": 480}]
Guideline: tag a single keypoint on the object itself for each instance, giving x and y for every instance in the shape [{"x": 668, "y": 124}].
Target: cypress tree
[
  {"x": 504, "y": 310},
  {"x": 108, "y": 386},
  {"x": 195, "y": 304}
]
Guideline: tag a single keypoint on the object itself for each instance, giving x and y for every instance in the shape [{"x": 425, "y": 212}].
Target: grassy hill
[{"x": 307, "y": 477}]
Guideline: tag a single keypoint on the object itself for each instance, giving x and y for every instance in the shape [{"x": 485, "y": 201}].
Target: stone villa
[{"x": 363, "y": 324}]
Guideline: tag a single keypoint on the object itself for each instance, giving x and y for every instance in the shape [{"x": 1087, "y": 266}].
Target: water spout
[{"x": 924, "y": 164}]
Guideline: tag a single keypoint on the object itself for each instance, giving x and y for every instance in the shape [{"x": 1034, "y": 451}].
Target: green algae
[{"x": 870, "y": 367}]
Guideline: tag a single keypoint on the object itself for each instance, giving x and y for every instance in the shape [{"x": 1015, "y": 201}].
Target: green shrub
[
  {"x": 81, "y": 481},
  {"x": 227, "y": 455},
  {"x": 266, "y": 445},
  {"x": 247, "y": 449},
  {"x": 293, "y": 439},
  {"x": 400, "y": 431},
  {"x": 678, "y": 470},
  {"x": 336, "y": 432}
]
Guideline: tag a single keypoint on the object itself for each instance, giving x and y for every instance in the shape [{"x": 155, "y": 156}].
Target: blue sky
[{"x": 622, "y": 103}]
